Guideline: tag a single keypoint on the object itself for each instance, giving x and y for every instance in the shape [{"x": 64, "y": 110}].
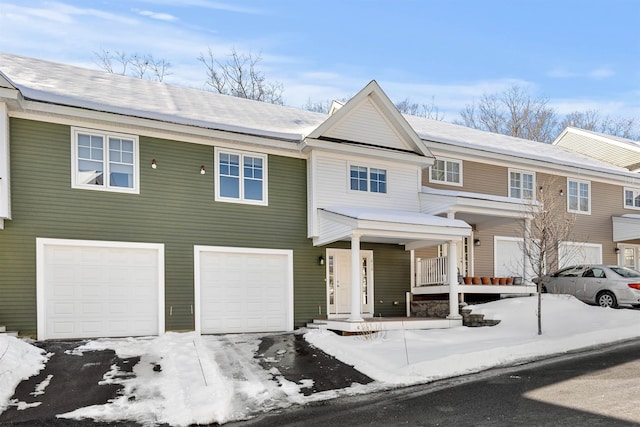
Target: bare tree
[
  {"x": 624, "y": 127},
  {"x": 429, "y": 111},
  {"x": 547, "y": 224},
  {"x": 513, "y": 112},
  {"x": 135, "y": 65},
  {"x": 240, "y": 77},
  {"x": 317, "y": 107}
]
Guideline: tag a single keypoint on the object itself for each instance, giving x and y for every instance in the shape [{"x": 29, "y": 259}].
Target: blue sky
[{"x": 579, "y": 54}]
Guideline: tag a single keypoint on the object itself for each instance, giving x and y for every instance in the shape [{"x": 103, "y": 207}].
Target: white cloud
[
  {"x": 158, "y": 16},
  {"x": 228, "y": 7},
  {"x": 596, "y": 73}
]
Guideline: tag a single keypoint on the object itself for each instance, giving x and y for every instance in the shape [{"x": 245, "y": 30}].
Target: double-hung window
[
  {"x": 373, "y": 180},
  {"x": 241, "y": 177},
  {"x": 104, "y": 161},
  {"x": 521, "y": 184},
  {"x": 446, "y": 171},
  {"x": 632, "y": 198},
  {"x": 579, "y": 196}
]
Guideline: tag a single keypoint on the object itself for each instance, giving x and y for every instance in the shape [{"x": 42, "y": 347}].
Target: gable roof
[
  {"x": 453, "y": 137},
  {"x": 371, "y": 118},
  {"x": 609, "y": 148},
  {"x": 67, "y": 85},
  {"x": 59, "y": 84}
]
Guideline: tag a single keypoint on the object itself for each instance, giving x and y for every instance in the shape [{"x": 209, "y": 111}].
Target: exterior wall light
[
  {"x": 202, "y": 171},
  {"x": 616, "y": 250},
  {"x": 154, "y": 164},
  {"x": 320, "y": 260},
  {"x": 476, "y": 242}
]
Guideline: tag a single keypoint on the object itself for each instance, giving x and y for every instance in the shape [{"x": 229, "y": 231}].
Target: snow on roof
[
  {"x": 470, "y": 195},
  {"x": 397, "y": 216},
  {"x": 68, "y": 85},
  {"x": 462, "y": 136}
]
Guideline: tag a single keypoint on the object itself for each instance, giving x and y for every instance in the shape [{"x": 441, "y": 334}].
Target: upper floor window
[
  {"x": 521, "y": 184},
  {"x": 104, "y": 161},
  {"x": 446, "y": 172},
  {"x": 241, "y": 177},
  {"x": 363, "y": 178},
  {"x": 632, "y": 198},
  {"x": 579, "y": 196}
]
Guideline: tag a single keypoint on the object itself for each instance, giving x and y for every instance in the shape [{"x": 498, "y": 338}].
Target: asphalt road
[{"x": 596, "y": 388}]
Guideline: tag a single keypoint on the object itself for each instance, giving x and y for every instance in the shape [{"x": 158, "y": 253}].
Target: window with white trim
[
  {"x": 522, "y": 184},
  {"x": 373, "y": 180},
  {"x": 446, "y": 171},
  {"x": 578, "y": 196},
  {"x": 104, "y": 161},
  {"x": 632, "y": 198},
  {"x": 241, "y": 177}
]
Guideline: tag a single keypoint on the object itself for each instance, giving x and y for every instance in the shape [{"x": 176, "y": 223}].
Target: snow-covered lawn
[{"x": 216, "y": 378}]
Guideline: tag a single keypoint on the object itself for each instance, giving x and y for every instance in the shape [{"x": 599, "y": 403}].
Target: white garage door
[
  {"x": 509, "y": 257},
  {"x": 243, "y": 290},
  {"x": 89, "y": 289}
]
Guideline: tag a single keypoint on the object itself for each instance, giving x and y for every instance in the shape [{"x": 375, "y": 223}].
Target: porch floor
[{"x": 374, "y": 324}]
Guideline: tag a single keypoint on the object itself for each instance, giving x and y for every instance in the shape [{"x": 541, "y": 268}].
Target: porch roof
[
  {"x": 412, "y": 229},
  {"x": 626, "y": 227},
  {"x": 436, "y": 202}
]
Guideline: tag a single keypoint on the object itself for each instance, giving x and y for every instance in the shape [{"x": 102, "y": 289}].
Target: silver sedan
[{"x": 604, "y": 285}]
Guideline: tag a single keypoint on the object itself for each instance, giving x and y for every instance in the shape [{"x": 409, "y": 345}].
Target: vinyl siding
[
  {"x": 367, "y": 124},
  {"x": 175, "y": 207},
  {"x": 331, "y": 185},
  {"x": 477, "y": 178}
]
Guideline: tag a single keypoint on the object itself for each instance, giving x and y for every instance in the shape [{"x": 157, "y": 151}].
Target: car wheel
[
  {"x": 606, "y": 299},
  {"x": 635, "y": 305}
]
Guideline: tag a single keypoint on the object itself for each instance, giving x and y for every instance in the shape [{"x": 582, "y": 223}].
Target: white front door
[{"x": 339, "y": 281}]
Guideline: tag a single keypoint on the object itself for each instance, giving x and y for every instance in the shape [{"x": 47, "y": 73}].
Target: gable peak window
[
  {"x": 104, "y": 160},
  {"x": 241, "y": 177},
  {"x": 446, "y": 171},
  {"x": 362, "y": 178}
]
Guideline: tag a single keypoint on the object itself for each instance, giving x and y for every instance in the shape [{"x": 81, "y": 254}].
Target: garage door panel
[
  {"x": 243, "y": 292},
  {"x": 98, "y": 289}
]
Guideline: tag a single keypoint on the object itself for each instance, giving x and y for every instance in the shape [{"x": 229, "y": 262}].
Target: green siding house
[{"x": 130, "y": 207}]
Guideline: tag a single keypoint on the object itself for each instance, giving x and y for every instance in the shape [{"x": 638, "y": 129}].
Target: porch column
[
  {"x": 452, "y": 274},
  {"x": 527, "y": 245},
  {"x": 356, "y": 280}
]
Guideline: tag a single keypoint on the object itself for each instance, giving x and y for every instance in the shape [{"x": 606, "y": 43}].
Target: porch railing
[{"x": 431, "y": 271}]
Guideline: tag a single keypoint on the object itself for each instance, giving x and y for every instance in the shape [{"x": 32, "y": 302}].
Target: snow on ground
[
  {"x": 184, "y": 378},
  {"x": 18, "y": 361}
]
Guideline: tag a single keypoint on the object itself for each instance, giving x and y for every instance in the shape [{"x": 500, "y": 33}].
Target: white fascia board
[
  {"x": 5, "y": 173},
  {"x": 363, "y": 150},
  {"x": 72, "y": 116}
]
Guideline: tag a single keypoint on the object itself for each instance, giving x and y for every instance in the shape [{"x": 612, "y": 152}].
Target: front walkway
[{"x": 376, "y": 324}]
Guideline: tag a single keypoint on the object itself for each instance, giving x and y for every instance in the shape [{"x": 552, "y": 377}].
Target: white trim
[
  {"x": 197, "y": 284},
  {"x": 265, "y": 176},
  {"x": 41, "y": 243},
  {"x": 445, "y": 182},
  {"x": 578, "y": 181},
  {"x": 105, "y": 186},
  {"x": 521, "y": 172},
  {"x": 5, "y": 173}
]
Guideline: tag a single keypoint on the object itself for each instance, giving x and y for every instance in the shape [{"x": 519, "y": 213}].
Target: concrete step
[
  {"x": 3, "y": 331},
  {"x": 317, "y": 324}
]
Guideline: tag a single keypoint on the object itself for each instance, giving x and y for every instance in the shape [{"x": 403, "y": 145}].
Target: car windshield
[{"x": 625, "y": 272}]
